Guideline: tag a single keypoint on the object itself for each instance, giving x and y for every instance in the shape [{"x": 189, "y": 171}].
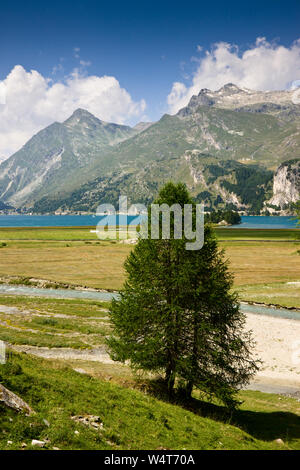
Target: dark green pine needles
[{"x": 178, "y": 316}]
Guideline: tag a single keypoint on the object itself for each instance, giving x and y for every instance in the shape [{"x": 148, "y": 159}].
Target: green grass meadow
[{"x": 57, "y": 393}]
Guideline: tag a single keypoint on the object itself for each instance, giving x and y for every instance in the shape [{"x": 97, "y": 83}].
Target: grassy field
[
  {"x": 263, "y": 261},
  {"x": 54, "y": 323},
  {"x": 82, "y": 263},
  {"x": 84, "y": 233},
  {"x": 57, "y": 393},
  {"x": 257, "y": 234},
  {"x": 277, "y": 293},
  {"x": 61, "y": 388},
  {"x": 55, "y": 233}
]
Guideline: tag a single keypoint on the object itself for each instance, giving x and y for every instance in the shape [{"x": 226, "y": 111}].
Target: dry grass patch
[
  {"x": 99, "y": 266},
  {"x": 263, "y": 263}
]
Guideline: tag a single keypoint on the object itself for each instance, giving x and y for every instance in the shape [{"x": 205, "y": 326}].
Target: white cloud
[
  {"x": 76, "y": 51},
  {"x": 85, "y": 63},
  {"x": 33, "y": 102},
  {"x": 265, "y": 66}
]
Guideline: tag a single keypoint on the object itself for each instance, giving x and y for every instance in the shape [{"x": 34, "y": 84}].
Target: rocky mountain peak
[
  {"x": 80, "y": 112},
  {"x": 232, "y": 97},
  {"x": 81, "y": 116},
  {"x": 230, "y": 89},
  {"x": 207, "y": 97},
  {"x": 204, "y": 91}
]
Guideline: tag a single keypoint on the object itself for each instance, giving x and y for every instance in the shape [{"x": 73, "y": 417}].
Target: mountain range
[{"x": 234, "y": 148}]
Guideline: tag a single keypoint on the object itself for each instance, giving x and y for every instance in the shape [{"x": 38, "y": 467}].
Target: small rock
[
  {"x": 9, "y": 442},
  {"x": 55, "y": 448},
  {"x": 80, "y": 371},
  {"x": 23, "y": 445},
  {"x": 223, "y": 222},
  {"x": 45, "y": 421},
  {"x": 89, "y": 420},
  {"x": 76, "y": 432},
  {"x": 130, "y": 241},
  {"x": 37, "y": 443},
  {"x": 279, "y": 441}
]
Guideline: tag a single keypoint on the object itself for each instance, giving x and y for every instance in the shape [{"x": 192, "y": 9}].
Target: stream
[
  {"x": 106, "y": 296},
  {"x": 90, "y": 294}
]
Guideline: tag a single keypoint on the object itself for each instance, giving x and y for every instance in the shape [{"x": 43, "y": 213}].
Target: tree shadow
[
  {"x": 263, "y": 425},
  {"x": 270, "y": 425}
]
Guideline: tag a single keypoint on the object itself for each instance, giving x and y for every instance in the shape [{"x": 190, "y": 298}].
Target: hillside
[
  {"x": 59, "y": 396},
  {"x": 225, "y": 145},
  {"x": 57, "y": 157}
]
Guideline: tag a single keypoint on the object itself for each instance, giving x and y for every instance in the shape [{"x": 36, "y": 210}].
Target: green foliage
[
  {"x": 231, "y": 217},
  {"x": 251, "y": 184},
  {"x": 177, "y": 314}
]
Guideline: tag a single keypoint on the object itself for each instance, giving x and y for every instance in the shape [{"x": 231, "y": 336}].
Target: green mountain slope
[
  {"x": 57, "y": 157},
  {"x": 83, "y": 162},
  {"x": 246, "y": 148}
]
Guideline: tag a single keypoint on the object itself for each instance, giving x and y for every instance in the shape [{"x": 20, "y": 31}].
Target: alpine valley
[{"x": 234, "y": 148}]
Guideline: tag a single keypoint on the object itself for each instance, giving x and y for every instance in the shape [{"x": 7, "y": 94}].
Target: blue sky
[{"x": 145, "y": 46}]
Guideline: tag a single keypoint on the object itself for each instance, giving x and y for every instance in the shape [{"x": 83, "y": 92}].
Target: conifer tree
[{"x": 177, "y": 314}]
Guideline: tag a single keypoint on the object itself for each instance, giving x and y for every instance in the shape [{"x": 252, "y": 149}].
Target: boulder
[
  {"x": 11, "y": 400},
  {"x": 279, "y": 441}
]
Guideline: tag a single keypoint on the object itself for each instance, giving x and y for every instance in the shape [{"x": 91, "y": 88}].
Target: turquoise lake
[{"x": 276, "y": 222}]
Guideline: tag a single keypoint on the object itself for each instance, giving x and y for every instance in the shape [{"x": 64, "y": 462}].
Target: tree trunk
[
  {"x": 170, "y": 380},
  {"x": 190, "y": 384},
  {"x": 189, "y": 389}
]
